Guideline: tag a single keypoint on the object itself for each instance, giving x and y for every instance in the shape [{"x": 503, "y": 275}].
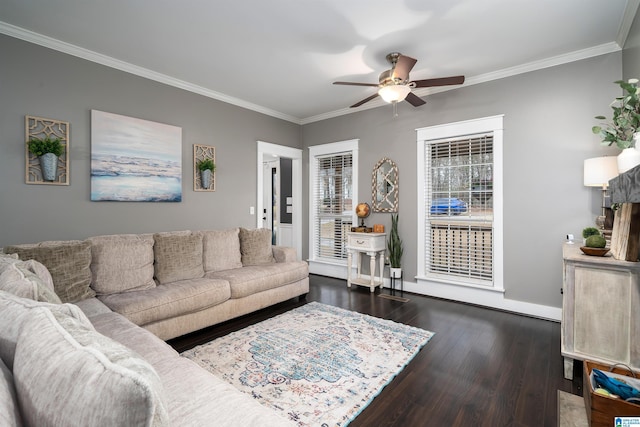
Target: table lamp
[{"x": 597, "y": 173}]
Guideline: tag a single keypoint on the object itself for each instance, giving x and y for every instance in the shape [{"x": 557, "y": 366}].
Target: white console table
[
  {"x": 372, "y": 244},
  {"x": 600, "y": 310}
]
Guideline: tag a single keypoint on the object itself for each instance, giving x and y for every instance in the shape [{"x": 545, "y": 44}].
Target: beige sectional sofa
[{"x": 83, "y": 324}]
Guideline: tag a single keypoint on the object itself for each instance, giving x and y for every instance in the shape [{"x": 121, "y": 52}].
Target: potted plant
[
  {"x": 590, "y": 231},
  {"x": 47, "y": 150},
  {"x": 624, "y": 129},
  {"x": 206, "y": 168},
  {"x": 394, "y": 246}
]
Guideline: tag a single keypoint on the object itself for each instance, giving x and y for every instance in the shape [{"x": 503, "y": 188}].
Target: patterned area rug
[{"x": 317, "y": 365}]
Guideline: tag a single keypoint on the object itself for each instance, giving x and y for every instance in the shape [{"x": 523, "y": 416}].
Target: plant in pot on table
[
  {"x": 394, "y": 246},
  {"x": 624, "y": 129},
  {"x": 206, "y": 168},
  {"x": 594, "y": 243},
  {"x": 47, "y": 150}
]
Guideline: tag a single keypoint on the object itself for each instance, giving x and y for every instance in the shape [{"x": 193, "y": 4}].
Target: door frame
[{"x": 295, "y": 154}]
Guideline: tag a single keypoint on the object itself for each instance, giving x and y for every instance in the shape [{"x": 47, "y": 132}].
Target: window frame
[
  {"x": 458, "y": 130},
  {"x": 332, "y": 267}
]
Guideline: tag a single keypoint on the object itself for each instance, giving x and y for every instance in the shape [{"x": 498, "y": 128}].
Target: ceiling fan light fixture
[{"x": 394, "y": 93}]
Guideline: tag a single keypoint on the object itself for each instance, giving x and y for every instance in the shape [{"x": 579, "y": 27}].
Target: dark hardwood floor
[{"x": 482, "y": 368}]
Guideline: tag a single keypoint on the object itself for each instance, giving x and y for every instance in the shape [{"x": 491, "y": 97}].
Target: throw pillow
[
  {"x": 9, "y": 412},
  {"x": 255, "y": 246},
  {"x": 177, "y": 256},
  {"x": 13, "y": 312},
  {"x": 121, "y": 263},
  {"x": 20, "y": 281},
  {"x": 67, "y": 261},
  {"x": 221, "y": 250},
  {"x": 68, "y": 374}
]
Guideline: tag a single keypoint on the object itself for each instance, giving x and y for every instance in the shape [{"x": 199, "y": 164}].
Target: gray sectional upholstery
[{"x": 96, "y": 332}]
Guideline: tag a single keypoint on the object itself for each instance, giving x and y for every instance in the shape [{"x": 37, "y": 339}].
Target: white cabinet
[
  {"x": 373, "y": 245},
  {"x": 600, "y": 310}
]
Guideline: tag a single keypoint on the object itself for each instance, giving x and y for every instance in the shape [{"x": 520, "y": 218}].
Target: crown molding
[
  {"x": 487, "y": 77},
  {"x": 39, "y": 39},
  {"x": 77, "y": 51},
  {"x": 627, "y": 20}
]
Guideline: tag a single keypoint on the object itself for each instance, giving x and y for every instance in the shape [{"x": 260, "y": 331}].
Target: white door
[{"x": 291, "y": 233}]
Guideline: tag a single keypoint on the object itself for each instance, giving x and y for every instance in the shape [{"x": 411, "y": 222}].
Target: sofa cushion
[
  {"x": 246, "y": 281},
  {"x": 17, "y": 279},
  {"x": 221, "y": 249},
  {"x": 120, "y": 329},
  {"x": 68, "y": 374},
  {"x": 13, "y": 312},
  {"x": 167, "y": 301},
  {"x": 9, "y": 412},
  {"x": 67, "y": 261},
  {"x": 177, "y": 256},
  {"x": 121, "y": 263},
  {"x": 92, "y": 307},
  {"x": 255, "y": 246}
]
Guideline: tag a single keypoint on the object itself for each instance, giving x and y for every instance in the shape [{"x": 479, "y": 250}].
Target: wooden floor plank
[{"x": 482, "y": 368}]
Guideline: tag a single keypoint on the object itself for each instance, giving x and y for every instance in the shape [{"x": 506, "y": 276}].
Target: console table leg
[
  {"x": 349, "y": 258},
  {"x": 372, "y": 271},
  {"x": 381, "y": 266},
  {"x": 568, "y": 368}
]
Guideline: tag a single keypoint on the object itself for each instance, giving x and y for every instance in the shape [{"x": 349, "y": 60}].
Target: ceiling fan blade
[
  {"x": 403, "y": 67},
  {"x": 357, "y": 104},
  {"x": 443, "y": 81},
  {"x": 414, "y": 100},
  {"x": 356, "y": 84}
]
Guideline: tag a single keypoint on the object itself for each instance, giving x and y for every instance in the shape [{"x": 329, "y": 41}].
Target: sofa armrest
[{"x": 284, "y": 254}]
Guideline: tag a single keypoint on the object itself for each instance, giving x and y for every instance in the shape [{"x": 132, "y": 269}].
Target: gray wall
[
  {"x": 631, "y": 52},
  {"x": 42, "y": 82},
  {"x": 548, "y": 119}
]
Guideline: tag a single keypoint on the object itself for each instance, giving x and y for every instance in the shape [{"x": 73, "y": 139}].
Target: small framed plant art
[
  {"x": 46, "y": 151},
  {"x": 204, "y": 168}
]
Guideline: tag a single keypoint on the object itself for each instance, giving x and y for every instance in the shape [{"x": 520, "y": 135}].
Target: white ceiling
[{"x": 280, "y": 57}]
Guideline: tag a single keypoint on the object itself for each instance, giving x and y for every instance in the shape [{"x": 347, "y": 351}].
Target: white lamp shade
[
  {"x": 394, "y": 93},
  {"x": 599, "y": 170}
]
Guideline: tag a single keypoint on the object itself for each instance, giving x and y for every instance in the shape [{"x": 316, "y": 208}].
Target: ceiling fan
[{"x": 394, "y": 84}]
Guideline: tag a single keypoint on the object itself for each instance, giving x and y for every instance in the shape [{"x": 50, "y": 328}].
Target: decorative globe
[{"x": 363, "y": 210}]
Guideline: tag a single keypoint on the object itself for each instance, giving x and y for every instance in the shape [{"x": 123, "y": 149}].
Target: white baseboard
[{"x": 470, "y": 295}]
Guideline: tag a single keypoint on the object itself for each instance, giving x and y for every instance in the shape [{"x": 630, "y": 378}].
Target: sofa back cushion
[
  {"x": 178, "y": 256},
  {"x": 121, "y": 263},
  {"x": 67, "y": 261},
  {"x": 68, "y": 374},
  {"x": 255, "y": 246},
  {"x": 221, "y": 250}
]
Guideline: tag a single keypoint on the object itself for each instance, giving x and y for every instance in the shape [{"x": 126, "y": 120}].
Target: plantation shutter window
[
  {"x": 459, "y": 198},
  {"x": 459, "y": 176},
  {"x": 333, "y": 204},
  {"x": 333, "y": 195}
]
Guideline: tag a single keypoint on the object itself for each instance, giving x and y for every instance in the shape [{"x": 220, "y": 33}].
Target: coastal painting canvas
[{"x": 134, "y": 160}]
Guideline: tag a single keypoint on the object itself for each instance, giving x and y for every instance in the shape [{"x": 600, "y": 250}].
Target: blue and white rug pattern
[{"x": 317, "y": 365}]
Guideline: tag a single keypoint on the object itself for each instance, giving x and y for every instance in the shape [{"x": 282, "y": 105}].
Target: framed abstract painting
[{"x": 134, "y": 160}]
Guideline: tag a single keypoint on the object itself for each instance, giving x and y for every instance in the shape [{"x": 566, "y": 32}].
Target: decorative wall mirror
[{"x": 384, "y": 186}]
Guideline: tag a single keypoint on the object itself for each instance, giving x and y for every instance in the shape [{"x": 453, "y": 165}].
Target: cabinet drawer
[{"x": 368, "y": 241}]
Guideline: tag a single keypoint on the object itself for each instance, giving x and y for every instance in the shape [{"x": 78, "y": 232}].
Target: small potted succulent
[
  {"x": 206, "y": 168},
  {"x": 47, "y": 150}
]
